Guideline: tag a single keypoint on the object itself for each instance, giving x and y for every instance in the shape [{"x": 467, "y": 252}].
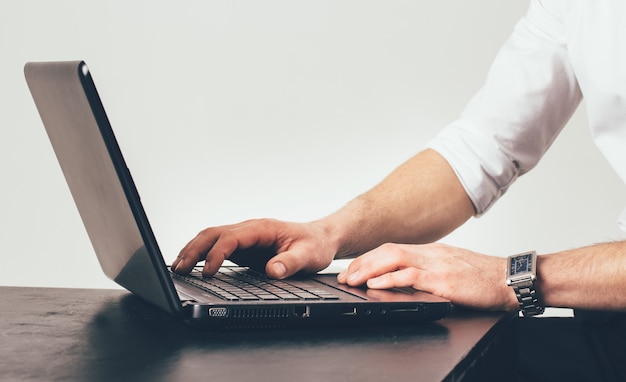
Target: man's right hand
[{"x": 283, "y": 248}]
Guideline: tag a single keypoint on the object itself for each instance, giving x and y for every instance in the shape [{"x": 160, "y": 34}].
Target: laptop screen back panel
[{"x": 99, "y": 180}]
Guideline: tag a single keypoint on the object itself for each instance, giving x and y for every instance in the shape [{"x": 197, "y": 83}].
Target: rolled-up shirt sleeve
[{"x": 529, "y": 95}]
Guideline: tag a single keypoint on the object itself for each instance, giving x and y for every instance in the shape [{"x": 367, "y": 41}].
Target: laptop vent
[{"x": 260, "y": 313}]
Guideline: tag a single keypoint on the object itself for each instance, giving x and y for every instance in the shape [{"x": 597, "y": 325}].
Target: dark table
[{"x": 53, "y": 334}]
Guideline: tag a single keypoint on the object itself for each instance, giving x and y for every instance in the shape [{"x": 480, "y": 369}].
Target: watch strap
[{"x": 527, "y": 298}]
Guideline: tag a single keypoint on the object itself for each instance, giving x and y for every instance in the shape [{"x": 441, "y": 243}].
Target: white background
[{"x": 229, "y": 110}]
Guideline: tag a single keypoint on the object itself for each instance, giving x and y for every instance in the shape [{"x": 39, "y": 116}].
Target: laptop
[{"x": 127, "y": 250}]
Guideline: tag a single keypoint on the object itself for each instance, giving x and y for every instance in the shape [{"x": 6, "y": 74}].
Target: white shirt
[{"x": 559, "y": 52}]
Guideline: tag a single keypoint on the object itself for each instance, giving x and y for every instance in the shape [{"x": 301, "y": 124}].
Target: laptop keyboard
[{"x": 243, "y": 284}]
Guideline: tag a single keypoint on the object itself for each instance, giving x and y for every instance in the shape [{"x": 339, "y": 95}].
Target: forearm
[
  {"x": 421, "y": 201},
  {"x": 591, "y": 277}
]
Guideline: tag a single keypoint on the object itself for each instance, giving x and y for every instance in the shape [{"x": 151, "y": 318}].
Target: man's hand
[
  {"x": 466, "y": 278},
  {"x": 281, "y": 248}
]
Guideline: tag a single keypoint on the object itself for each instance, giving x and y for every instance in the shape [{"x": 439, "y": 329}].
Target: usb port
[{"x": 349, "y": 311}]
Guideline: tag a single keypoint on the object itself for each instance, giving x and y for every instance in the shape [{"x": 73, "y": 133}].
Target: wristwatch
[{"x": 521, "y": 275}]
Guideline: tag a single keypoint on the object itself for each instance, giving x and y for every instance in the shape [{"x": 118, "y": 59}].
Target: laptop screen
[{"x": 99, "y": 180}]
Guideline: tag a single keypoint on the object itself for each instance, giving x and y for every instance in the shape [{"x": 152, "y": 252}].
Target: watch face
[{"x": 521, "y": 264}]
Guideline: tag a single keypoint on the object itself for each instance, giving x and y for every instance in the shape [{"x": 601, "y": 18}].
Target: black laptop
[{"x": 111, "y": 210}]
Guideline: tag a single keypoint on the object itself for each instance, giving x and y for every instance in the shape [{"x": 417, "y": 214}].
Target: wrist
[
  {"x": 511, "y": 303},
  {"x": 348, "y": 230},
  {"x": 522, "y": 277},
  {"x": 330, "y": 230}
]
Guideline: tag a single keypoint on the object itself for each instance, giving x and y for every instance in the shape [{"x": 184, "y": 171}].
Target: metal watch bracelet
[{"x": 527, "y": 298}]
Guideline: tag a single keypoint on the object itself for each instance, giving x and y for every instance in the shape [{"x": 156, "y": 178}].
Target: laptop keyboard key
[{"x": 241, "y": 284}]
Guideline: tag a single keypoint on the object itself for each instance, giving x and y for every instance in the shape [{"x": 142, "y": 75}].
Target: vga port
[{"x": 218, "y": 312}]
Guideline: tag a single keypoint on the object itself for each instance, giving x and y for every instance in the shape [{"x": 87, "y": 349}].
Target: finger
[
  {"x": 201, "y": 246},
  {"x": 406, "y": 277},
  {"x": 195, "y": 251},
  {"x": 281, "y": 267},
  {"x": 352, "y": 274},
  {"x": 288, "y": 263},
  {"x": 223, "y": 247},
  {"x": 352, "y": 268},
  {"x": 294, "y": 253},
  {"x": 239, "y": 237},
  {"x": 384, "y": 259}
]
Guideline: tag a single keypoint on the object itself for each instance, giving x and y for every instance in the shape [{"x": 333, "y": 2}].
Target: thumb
[
  {"x": 300, "y": 258},
  {"x": 283, "y": 265},
  {"x": 277, "y": 270}
]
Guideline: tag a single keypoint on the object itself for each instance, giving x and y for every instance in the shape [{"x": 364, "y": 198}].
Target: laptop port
[
  {"x": 349, "y": 311},
  {"x": 303, "y": 311},
  {"x": 218, "y": 312}
]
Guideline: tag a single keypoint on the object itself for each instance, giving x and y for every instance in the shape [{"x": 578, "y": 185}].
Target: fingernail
[
  {"x": 341, "y": 276},
  {"x": 205, "y": 270},
  {"x": 373, "y": 283},
  {"x": 279, "y": 270},
  {"x": 354, "y": 276},
  {"x": 178, "y": 263}
]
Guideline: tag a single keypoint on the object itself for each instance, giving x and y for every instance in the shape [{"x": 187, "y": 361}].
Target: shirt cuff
[{"x": 482, "y": 168}]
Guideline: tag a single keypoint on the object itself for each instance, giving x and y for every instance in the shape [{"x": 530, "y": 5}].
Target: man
[{"x": 562, "y": 51}]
